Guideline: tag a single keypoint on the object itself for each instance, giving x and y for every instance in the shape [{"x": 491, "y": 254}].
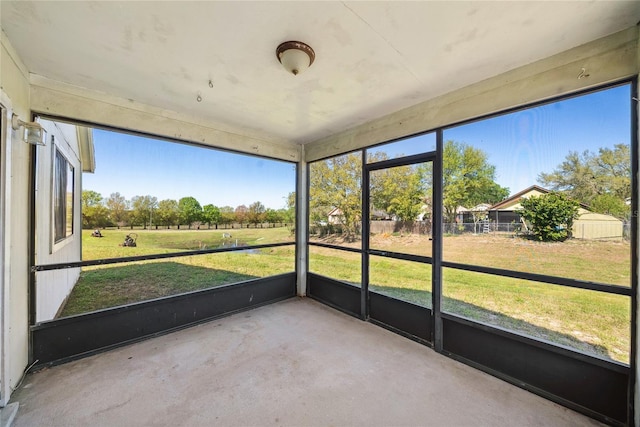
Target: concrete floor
[{"x": 296, "y": 362}]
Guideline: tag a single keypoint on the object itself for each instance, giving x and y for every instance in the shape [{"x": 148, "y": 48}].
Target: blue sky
[
  {"x": 136, "y": 166},
  {"x": 521, "y": 145}
]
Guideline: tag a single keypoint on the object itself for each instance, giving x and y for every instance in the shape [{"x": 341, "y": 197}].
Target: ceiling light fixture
[
  {"x": 295, "y": 57},
  {"x": 34, "y": 133}
]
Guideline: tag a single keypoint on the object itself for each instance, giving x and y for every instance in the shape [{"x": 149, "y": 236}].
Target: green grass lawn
[
  {"x": 111, "y": 285},
  {"x": 589, "y": 321},
  {"x": 593, "y": 322},
  {"x": 168, "y": 241}
]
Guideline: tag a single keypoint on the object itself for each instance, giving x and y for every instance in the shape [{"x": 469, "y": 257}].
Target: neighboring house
[
  {"x": 68, "y": 152},
  {"x": 335, "y": 216},
  {"x": 425, "y": 213},
  {"x": 588, "y": 225},
  {"x": 465, "y": 215},
  {"x": 505, "y": 212},
  {"x": 380, "y": 215}
]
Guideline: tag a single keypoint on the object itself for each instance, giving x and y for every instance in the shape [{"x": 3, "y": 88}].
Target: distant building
[
  {"x": 588, "y": 225},
  {"x": 335, "y": 216},
  {"x": 465, "y": 215}
]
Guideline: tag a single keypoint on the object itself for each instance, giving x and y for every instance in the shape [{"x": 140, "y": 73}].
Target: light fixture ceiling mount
[{"x": 295, "y": 56}]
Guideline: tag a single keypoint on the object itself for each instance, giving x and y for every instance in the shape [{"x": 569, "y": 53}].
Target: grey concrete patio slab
[{"x": 294, "y": 363}]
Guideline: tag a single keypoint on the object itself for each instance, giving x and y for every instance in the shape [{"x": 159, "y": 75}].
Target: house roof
[
  {"x": 85, "y": 144},
  {"x": 513, "y": 202},
  {"x": 508, "y": 203}
]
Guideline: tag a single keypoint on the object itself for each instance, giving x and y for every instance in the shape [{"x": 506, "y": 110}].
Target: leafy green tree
[
  {"x": 595, "y": 179},
  {"x": 255, "y": 213},
  {"x": 468, "y": 179},
  {"x": 271, "y": 216},
  {"x": 91, "y": 198},
  {"x": 551, "y": 215},
  {"x": 400, "y": 191},
  {"x": 227, "y": 215},
  {"x": 611, "y": 205},
  {"x": 211, "y": 215},
  {"x": 94, "y": 213},
  {"x": 190, "y": 210},
  {"x": 336, "y": 183},
  {"x": 118, "y": 207},
  {"x": 142, "y": 209},
  {"x": 288, "y": 214},
  {"x": 167, "y": 213}
]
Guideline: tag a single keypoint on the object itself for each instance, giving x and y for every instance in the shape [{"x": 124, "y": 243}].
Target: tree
[
  {"x": 468, "y": 179},
  {"x": 336, "y": 183},
  {"x": 551, "y": 215},
  {"x": 271, "y": 216},
  {"x": 190, "y": 210},
  {"x": 241, "y": 214},
  {"x": 227, "y": 215},
  {"x": 211, "y": 215},
  {"x": 478, "y": 215},
  {"x": 167, "y": 213},
  {"x": 94, "y": 213},
  {"x": 118, "y": 206},
  {"x": 288, "y": 214},
  {"x": 602, "y": 180},
  {"x": 400, "y": 191},
  {"x": 255, "y": 213},
  {"x": 142, "y": 209},
  {"x": 611, "y": 205}
]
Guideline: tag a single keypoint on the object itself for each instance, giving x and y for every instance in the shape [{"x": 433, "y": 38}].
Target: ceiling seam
[{"x": 388, "y": 43}]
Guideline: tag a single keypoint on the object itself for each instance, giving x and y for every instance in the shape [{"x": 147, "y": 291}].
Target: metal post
[
  {"x": 301, "y": 224},
  {"x": 364, "y": 208},
  {"x": 634, "y": 392},
  {"x": 436, "y": 270}
]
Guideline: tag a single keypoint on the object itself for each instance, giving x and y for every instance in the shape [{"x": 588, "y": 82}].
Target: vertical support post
[
  {"x": 436, "y": 234},
  {"x": 301, "y": 224},
  {"x": 32, "y": 246},
  {"x": 4, "y": 294},
  {"x": 634, "y": 377},
  {"x": 364, "y": 229}
]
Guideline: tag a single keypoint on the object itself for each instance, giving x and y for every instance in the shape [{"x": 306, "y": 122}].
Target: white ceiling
[{"x": 372, "y": 58}]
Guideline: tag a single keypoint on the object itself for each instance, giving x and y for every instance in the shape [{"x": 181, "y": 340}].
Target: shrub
[{"x": 550, "y": 215}]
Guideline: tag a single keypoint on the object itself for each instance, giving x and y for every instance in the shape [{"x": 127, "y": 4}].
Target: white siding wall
[
  {"x": 14, "y": 226},
  {"x": 53, "y": 287}
]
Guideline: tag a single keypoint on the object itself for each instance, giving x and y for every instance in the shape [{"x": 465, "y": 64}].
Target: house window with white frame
[{"x": 63, "y": 177}]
